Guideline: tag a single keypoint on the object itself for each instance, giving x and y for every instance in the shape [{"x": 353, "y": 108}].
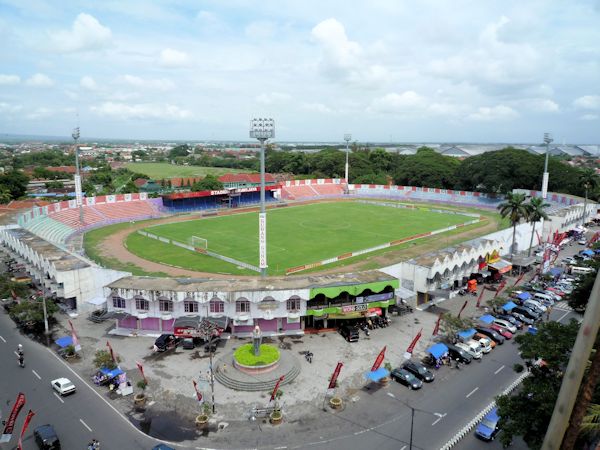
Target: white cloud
[
  {"x": 272, "y": 97},
  {"x": 541, "y": 105},
  {"x": 141, "y": 111},
  {"x": 88, "y": 83},
  {"x": 588, "y": 102},
  {"x": 590, "y": 117},
  {"x": 317, "y": 107},
  {"x": 39, "y": 80},
  {"x": 407, "y": 102},
  {"x": 260, "y": 30},
  {"x": 39, "y": 113},
  {"x": 147, "y": 83},
  {"x": 494, "y": 113},
  {"x": 86, "y": 34},
  {"x": 173, "y": 58},
  {"x": 7, "y": 108},
  {"x": 9, "y": 79}
]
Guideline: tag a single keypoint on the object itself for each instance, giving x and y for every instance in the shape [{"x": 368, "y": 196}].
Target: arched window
[
  {"x": 216, "y": 306},
  {"x": 293, "y": 303},
  {"x": 118, "y": 302},
  {"x": 165, "y": 305},
  {"x": 242, "y": 306},
  {"x": 141, "y": 304},
  {"x": 190, "y": 306}
]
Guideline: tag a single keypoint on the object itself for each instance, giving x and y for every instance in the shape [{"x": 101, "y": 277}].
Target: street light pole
[
  {"x": 347, "y": 138},
  {"x": 547, "y": 139},
  {"x": 262, "y": 129},
  {"x": 78, "y": 195}
]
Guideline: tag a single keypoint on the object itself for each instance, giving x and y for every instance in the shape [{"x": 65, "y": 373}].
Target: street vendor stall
[{"x": 105, "y": 375}]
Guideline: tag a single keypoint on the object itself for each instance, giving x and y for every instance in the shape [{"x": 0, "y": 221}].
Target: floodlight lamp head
[
  {"x": 75, "y": 133},
  {"x": 262, "y": 129},
  {"x": 547, "y": 138},
  {"x": 347, "y": 137}
]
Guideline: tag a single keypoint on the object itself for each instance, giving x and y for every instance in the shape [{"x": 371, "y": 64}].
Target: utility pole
[
  {"x": 78, "y": 194},
  {"x": 212, "y": 377}
]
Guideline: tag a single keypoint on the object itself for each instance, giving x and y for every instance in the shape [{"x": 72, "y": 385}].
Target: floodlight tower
[
  {"x": 547, "y": 139},
  {"x": 78, "y": 196},
  {"x": 347, "y": 138},
  {"x": 262, "y": 129}
]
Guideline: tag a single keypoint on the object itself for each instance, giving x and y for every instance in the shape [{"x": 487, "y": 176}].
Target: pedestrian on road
[{"x": 548, "y": 311}]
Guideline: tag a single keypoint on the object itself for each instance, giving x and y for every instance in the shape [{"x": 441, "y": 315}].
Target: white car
[
  {"x": 582, "y": 241},
  {"x": 569, "y": 260},
  {"x": 506, "y": 324},
  {"x": 483, "y": 346},
  {"x": 474, "y": 351},
  {"x": 63, "y": 386}
]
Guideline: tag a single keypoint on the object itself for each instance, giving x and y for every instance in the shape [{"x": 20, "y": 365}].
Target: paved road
[{"x": 77, "y": 418}]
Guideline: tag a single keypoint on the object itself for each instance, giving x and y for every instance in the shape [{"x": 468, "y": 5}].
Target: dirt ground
[{"x": 114, "y": 246}]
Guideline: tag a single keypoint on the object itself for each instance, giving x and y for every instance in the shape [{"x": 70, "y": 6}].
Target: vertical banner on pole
[
  {"x": 198, "y": 393},
  {"x": 74, "y": 336},
  {"x": 12, "y": 418},
  {"x": 262, "y": 240},
  {"x": 545, "y": 185},
  {"x": 437, "y": 326},
  {"x": 78, "y": 195},
  {"x": 139, "y": 366},
  {"x": 276, "y": 388},
  {"x": 379, "y": 359},
  {"x": 30, "y": 415},
  {"x": 335, "y": 375},
  {"x": 500, "y": 287},
  {"x": 411, "y": 347},
  {"x": 478, "y": 299},
  {"x": 112, "y": 354},
  {"x": 463, "y": 308}
]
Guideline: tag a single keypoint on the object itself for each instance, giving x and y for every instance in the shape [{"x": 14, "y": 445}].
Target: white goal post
[{"x": 198, "y": 242}]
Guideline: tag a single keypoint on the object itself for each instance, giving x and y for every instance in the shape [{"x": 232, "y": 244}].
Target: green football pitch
[{"x": 296, "y": 235}]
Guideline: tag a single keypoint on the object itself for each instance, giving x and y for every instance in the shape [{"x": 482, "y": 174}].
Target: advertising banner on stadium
[
  {"x": 262, "y": 240},
  {"x": 78, "y": 195}
]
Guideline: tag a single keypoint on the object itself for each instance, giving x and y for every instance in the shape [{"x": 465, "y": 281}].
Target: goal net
[{"x": 199, "y": 243}]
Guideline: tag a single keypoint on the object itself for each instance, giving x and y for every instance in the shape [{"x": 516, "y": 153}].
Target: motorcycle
[
  {"x": 309, "y": 356},
  {"x": 363, "y": 326},
  {"x": 21, "y": 361}
]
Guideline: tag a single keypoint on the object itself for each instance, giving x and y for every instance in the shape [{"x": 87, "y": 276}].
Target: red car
[
  {"x": 556, "y": 291},
  {"x": 503, "y": 331}
]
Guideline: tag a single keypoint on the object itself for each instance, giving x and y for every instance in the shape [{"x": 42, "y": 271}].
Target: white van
[
  {"x": 535, "y": 303},
  {"x": 544, "y": 299},
  {"x": 472, "y": 349},
  {"x": 486, "y": 344},
  {"x": 581, "y": 270}
]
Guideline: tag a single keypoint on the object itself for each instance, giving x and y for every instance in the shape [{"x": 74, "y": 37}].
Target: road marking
[
  {"x": 403, "y": 448},
  {"x": 436, "y": 421},
  {"x": 58, "y": 397},
  {"x": 16, "y": 354},
  {"x": 497, "y": 371},
  {"x": 564, "y": 315},
  {"x": 36, "y": 374},
  {"x": 472, "y": 392},
  {"x": 3, "y": 340},
  {"x": 85, "y": 425}
]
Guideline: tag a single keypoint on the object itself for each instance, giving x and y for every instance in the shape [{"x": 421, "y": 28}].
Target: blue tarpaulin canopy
[
  {"x": 509, "y": 306},
  {"x": 486, "y": 319},
  {"x": 556, "y": 271},
  {"x": 587, "y": 252},
  {"x": 64, "y": 341},
  {"x": 532, "y": 330},
  {"x": 378, "y": 374},
  {"x": 524, "y": 296},
  {"x": 111, "y": 373},
  {"x": 466, "y": 334},
  {"x": 438, "y": 350}
]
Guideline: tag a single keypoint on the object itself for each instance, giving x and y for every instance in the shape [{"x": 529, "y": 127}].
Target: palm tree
[
  {"x": 535, "y": 210},
  {"x": 589, "y": 180},
  {"x": 515, "y": 209}
]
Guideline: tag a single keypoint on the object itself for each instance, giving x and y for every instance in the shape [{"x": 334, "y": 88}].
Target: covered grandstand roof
[{"x": 251, "y": 284}]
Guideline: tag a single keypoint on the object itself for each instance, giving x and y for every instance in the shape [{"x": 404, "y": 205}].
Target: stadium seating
[
  {"x": 126, "y": 210},
  {"x": 50, "y": 229}
]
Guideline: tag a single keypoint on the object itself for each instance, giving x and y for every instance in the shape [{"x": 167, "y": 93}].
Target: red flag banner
[
  {"x": 411, "y": 347},
  {"x": 437, "y": 326},
  {"x": 478, "y": 300},
  {"x": 112, "y": 354},
  {"x": 12, "y": 418},
  {"x": 139, "y": 366},
  {"x": 463, "y": 308},
  {"x": 276, "y": 388},
  {"x": 30, "y": 415},
  {"x": 519, "y": 279},
  {"x": 335, "y": 375},
  {"x": 502, "y": 285},
  {"x": 379, "y": 359},
  {"x": 198, "y": 393},
  {"x": 74, "y": 336}
]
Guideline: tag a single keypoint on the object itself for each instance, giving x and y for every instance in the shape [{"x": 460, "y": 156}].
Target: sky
[{"x": 382, "y": 70}]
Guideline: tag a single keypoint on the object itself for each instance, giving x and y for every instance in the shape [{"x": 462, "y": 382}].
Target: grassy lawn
[
  {"x": 245, "y": 355},
  {"x": 166, "y": 170},
  {"x": 296, "y": 235}
]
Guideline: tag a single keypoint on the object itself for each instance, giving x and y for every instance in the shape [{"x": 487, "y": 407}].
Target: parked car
[
  {"x": 558, "y": 294},
  {"x": 535, "y": 306},
  {"x": 485, "y": 344},
  {"x": 63, "y": 386},
  {"x": 472, "y": 349},
  {"x": 569, "y": 260},
  {"x": 527, "y": 312},
  {"x": 488, "y": 428},
  {"x": 492, "y": 334},
  {"x": 582, "y": 242},
  {"x": 46, "y": 437},
  {"x": 506, "y": 324},
  {"x": 483, "y": 338},
  {"x": 516, "y": 322},
  {"x": 503, "y": 331},
  {"x": 419, "y": 370},
  {"x": 165, "y": 342},
  {"x": 350, "y": 333},
  {"x": 458, "y": 353},
  {"x": 406, "y": 378},
  {"x": 521, "y": 318},
  {"x": 188, "y": 344}
]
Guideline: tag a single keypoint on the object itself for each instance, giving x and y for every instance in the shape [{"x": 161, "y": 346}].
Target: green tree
[
  {"x": 102, "y": 359},
  {"x": 535, "y": 213},
  {"x": 8, "y": 287},
  {"x": 450, "y": 325},
  {"x": 15, "y": 183},
  {"x": 5, "y": 196},
  {"x": 515, "y": 209},
  {"x": 427, "y": 168},
  {"x": 589, "y": 180},
  {"x": 179, "y": 151},
  {"x": 578, "y": 299},
  {"x": 208, "y": 183},
  {"x": 31, "y": 312},
  {"x": 130, "y": 188},
  {"x": 88, "y": 188},
  {"x": 54, "y": 185}
]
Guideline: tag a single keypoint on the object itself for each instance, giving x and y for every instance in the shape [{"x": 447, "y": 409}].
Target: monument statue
[{"x": 257, "y": 340}]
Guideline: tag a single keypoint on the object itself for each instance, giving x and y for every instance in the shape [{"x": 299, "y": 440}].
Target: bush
[
  {"x": 142, "y": 385},
  {"x": 245, "y": 355},
  {"x": 518, "y": 368},
  {"x": 102, "y": 358}
]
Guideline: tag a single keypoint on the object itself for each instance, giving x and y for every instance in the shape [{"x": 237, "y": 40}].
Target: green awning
[{"x": 354, "y": 289}]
